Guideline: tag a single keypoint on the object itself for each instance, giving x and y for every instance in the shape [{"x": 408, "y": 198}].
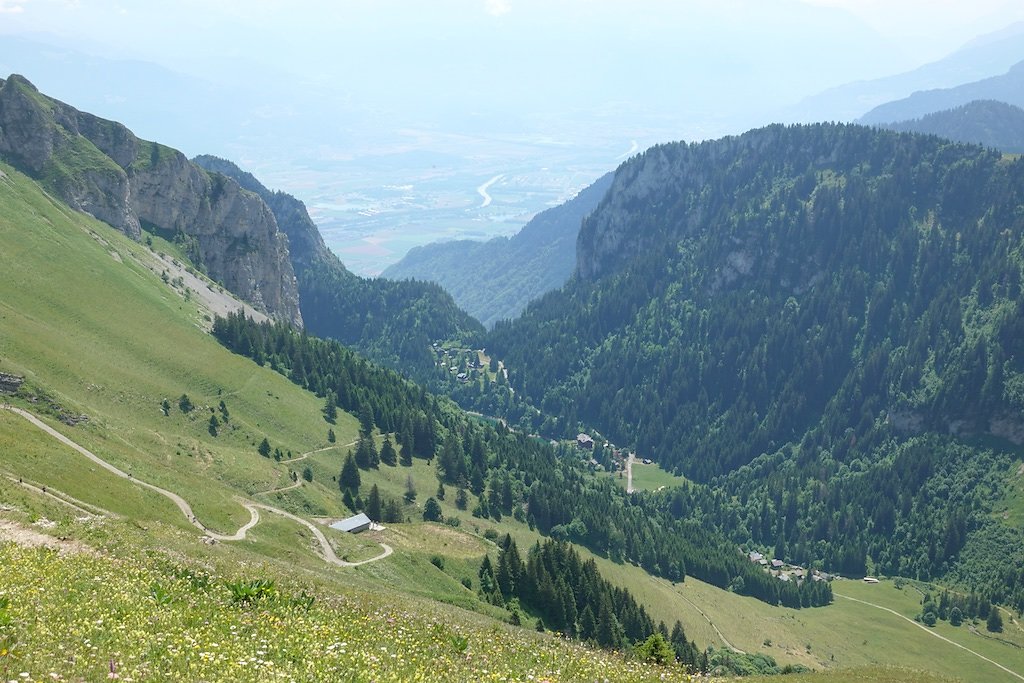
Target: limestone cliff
[{"x": 101, "y": 168}]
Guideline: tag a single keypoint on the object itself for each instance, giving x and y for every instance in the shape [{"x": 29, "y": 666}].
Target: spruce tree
[
  {"x": 374, "y": 509},
  {"x": 349, "y": 478},
  {"x": 387, "y": 453},
  {"x": 432, "y": 511},
  {"x": 331, "y": 407},
  {"x": 994, "y": 623},
  {"x": 264, "y": 448}
]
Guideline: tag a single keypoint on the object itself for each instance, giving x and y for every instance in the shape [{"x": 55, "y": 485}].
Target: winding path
[
  {"x": 318, "y": 450},
  {"x": 930, "y": 632},
  {"x": 253, "y": 508},
  {"x": 721, "y": 636}
]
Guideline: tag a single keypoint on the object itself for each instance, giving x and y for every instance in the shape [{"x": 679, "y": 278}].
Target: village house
[{"x": 584, "y": 441}]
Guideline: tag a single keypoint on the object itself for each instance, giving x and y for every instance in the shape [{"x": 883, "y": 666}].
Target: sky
[{"x": 697, "y": 61}]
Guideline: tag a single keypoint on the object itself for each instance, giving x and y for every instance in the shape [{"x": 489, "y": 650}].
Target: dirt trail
[
  {"x": 930, "y": 632},
  {"x": 721, "y": 636},
  {"x": 319, "y": 450},
  {"x": 253, "y": 508}
]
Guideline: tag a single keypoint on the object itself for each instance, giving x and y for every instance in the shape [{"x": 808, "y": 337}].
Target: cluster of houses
[
  {"x": 787, "y": 572},
  {"x": 450, "y": 359}
]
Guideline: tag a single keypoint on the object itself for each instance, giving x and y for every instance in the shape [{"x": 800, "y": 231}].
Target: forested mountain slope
[
  {"x": 802, "y": 314},
  {"x": 983, "y": 122},
  {"x": 391, "y": 322},
  {"x": 494, "y": 280},
  {"x": 761, "y": 284}
]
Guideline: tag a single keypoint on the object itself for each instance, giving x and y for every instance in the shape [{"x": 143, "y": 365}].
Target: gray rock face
[
  {"x": 9, "y": 384},
  {"x": 101, "y": 168}
]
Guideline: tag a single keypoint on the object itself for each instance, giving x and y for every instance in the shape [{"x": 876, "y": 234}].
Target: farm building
[{"x": 353, "y": 524}]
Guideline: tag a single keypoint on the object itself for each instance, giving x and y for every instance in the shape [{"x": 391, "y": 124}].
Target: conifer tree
[
  {"x": 349, "y": 478},
  {"x": 374, "y": 509},
  {"x": 387, "y": 453},
  {"x": 432, "y": 511}
]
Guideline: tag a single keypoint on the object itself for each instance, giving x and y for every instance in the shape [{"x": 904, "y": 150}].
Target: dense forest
[
  {"x": 571, "y": 596},
  {"x": 511, "y": 473},
  {"x": 820, "y": 322},
  {"x": 982, "y": 122}
]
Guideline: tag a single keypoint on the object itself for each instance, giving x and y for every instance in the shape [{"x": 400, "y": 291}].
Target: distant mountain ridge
[
  {"x": 494, "y": 280},
  {"x": 391, "y": 322},
  {"x": 1007, "y": 87},
  {"x": 981, "y": 122},
  {"x": 986, "y": 56},
  {"x": 100, "y": 167}
]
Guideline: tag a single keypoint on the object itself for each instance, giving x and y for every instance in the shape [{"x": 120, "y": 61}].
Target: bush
[{"x": 437, "y": 561}]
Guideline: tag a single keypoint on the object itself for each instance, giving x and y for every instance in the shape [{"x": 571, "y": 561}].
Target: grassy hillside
[{"x": 104, "y": 336}]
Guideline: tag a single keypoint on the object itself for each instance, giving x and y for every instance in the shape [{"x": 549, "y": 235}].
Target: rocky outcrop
[
  {"x": 100, "y": 167},
  {"x": 9, "y": 384},
  {"x": 305, "y": 243}
]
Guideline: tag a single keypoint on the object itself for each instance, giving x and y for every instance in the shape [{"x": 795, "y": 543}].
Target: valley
[{"x": 805, "y": 342}]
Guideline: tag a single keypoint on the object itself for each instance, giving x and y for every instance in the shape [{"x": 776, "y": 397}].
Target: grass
[
  {"x": 153, "y": 620},
  {"x": 1011, "y": 508},
  {"x": 650, "y": 478}
]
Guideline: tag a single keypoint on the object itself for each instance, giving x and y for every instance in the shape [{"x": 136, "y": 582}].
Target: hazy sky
[{"x": 713, "y": 64}]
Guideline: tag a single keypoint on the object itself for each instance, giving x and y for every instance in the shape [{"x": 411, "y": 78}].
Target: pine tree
[
  {"x": 307, "y": 473},
  {"x": 349, "y": 478},
  {"x": 461, "y": 499},
  {"x": 366, "y": 453},
  {"x": 214, "y": 425},
  {"x": 264, "y": 448},
  {"x": 994, "y": 623},
  {"x": 331, "y": 407},
  {"x": 393, "y": 511},
  {"x": 185, "y": 404},
  {"x": 365, "y": 420},
  {"x": 387, "y": 453},
  {"x": 440, "y": 491},
  {"x": 331, "y": 438},
  {"x": 588, "y": 624},
  {"x": 432, "y": 511},
  {"x": 374, "y": 509}
]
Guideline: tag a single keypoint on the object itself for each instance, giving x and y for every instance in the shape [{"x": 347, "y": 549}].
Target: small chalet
[
  {"x": 755, "y": 556},
  {"x": 777, "y": 564},
  {"x": 354, "y": 524},
  {"x": 584, "y": 441}
]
